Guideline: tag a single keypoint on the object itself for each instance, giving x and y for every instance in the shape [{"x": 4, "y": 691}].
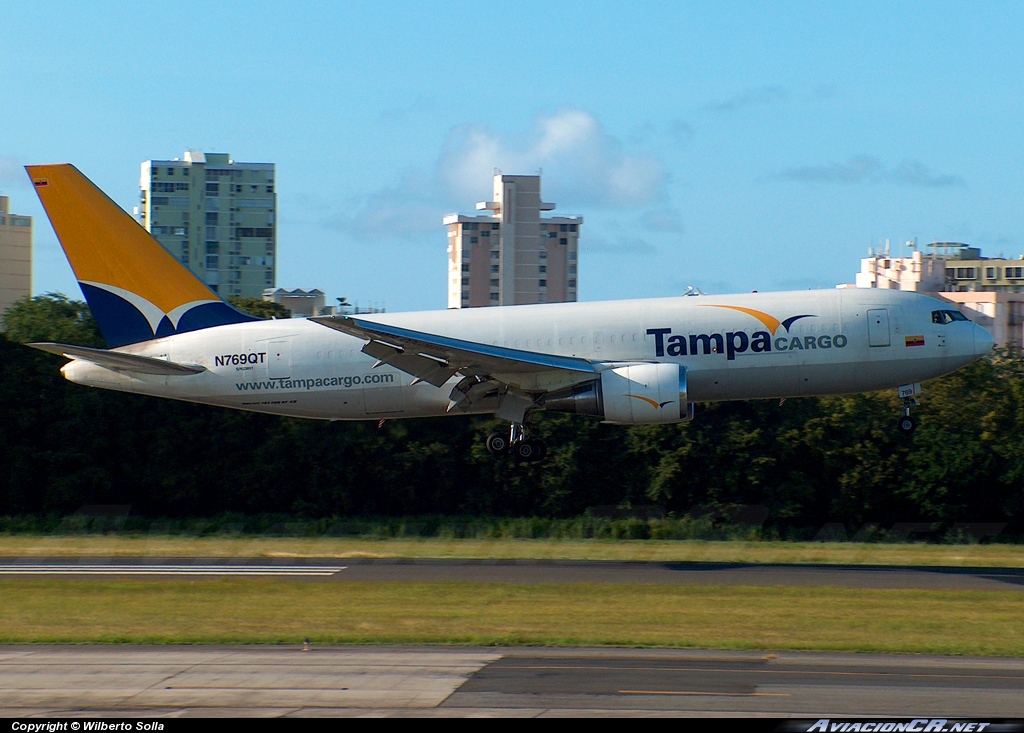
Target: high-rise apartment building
[
  {"x": 511, "y": 255},
  {"x": 15, "y": 256},
  {"x": 217, "y": 216}
]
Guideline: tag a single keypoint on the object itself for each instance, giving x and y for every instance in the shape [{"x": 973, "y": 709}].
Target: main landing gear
[{"x": 517, "y": 444}]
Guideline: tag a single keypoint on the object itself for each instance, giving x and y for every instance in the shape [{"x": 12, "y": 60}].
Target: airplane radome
[{"x": 629, "y": 362}]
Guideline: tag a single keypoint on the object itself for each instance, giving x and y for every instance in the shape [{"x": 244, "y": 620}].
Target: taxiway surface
[
  {"x": 119, "y": 681},
  {"x": 532, "y": 572}
]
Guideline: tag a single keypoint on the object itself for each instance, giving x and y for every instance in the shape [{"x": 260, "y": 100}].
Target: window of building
[
  {"x": 563, "y": 240},
  {"x": 572, "y": 283},
  {"x": 270, "y": 189},
  {"x": 552, "y": 235},
  {"x": 563, "y": 227},
  {"x": 990, "y": 273},
  {"x": 543, "y": 254},
  {"x": 212, "y": 217},
  {"x": 965, "y": 273},
  {"x": 180, "y": 186},
  {"x": 572, "y": 269},
  {"x": 465, "y": 267},
  {"x": 1014, "y": 273},
  {"x": 494, "y": 297},
  {"x": 212, "y": 262},
  {"x": 213, "y": 189},
  {"x": 495, "y": 227},
  {"x": 542, "y": 283},
  {"x": 212, "y": 248},
  {"x": 170, "y": 171},
  {"x": 485, "y": 233},
  {"x": 494, "y": 283},
  {"x": 472, "y": 240},
  {"x": 494, "y": 268},
  {"x": 181, "y": 231},
  {"x": 572, "y": 256},
  {"x": 494, "y": 254},
  {"x": 543, "y": 269},
  {"x": 573, "y": 227}
]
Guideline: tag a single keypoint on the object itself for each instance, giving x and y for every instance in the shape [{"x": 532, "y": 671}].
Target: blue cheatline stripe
[{"x": 121, "y": 322}]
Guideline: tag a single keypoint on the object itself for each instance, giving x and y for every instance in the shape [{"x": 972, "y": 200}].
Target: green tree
[
  {"x": 260, "y": 308},
  {"x": 51, "y": 317}
]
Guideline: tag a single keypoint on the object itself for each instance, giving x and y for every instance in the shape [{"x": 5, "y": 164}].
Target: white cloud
[
  {"x": 749, "y": 98},
  {"x": 12, "y": 173},
  {"x": 865, "y": 169},
  {"x": 583, "y": 166},
  {"x": 662, "y": 220}
]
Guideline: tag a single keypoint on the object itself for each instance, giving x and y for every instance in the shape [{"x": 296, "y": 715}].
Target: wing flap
[
  {"x": 120, "y": 361},
  {"x": 424, "y": 368}
]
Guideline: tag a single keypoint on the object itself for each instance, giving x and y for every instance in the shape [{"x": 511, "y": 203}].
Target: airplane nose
[{"x": 983, "y": 341}]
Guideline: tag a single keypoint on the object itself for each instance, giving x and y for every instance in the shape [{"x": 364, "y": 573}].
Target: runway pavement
[
  {"x": 532, "y": 572},
  {"x": 119, "y": 681}
]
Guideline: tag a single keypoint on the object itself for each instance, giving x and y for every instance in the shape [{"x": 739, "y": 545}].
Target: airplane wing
[
  {"x": 435, "y": 359},
  {"x": 119, "y": 361}
]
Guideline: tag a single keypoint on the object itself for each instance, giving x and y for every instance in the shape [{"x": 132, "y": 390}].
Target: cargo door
[
  {"x": 383, "y": 394},
  {"x": 878, "y": 327},
  {"x": 279, "y": 359}
]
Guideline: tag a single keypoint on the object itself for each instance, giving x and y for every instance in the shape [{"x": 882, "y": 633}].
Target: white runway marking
[{"x": 247, "y": 570}]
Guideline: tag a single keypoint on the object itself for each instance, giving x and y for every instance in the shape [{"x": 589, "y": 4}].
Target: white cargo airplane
[{"x": 628, "y": 362}]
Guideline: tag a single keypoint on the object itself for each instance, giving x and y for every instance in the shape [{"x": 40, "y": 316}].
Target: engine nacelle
[{"x": 635, "y": 394}]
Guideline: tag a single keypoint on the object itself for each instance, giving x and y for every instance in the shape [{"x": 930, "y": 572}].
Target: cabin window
[{"x": 947, "y": 316}]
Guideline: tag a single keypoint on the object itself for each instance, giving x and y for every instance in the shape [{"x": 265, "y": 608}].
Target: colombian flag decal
[{"x": 914, "y": 340}]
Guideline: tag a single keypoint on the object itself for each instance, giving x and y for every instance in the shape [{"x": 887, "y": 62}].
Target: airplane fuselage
[{"x": 758, "y": 345}]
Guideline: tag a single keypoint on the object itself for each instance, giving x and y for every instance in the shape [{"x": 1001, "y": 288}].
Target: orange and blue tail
[{"x": 135, "y": 288}]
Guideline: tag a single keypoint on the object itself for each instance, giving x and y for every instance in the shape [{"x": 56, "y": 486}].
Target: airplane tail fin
[{"x": 135, "y": 288}]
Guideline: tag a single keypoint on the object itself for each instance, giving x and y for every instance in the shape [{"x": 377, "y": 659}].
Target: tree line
[{"x": 809, "y": 461}]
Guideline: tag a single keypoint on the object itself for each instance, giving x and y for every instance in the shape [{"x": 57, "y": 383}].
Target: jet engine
[{"x": 633, "y": 394}]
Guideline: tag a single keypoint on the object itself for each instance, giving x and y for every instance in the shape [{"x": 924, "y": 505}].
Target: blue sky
[{"x": 730, "y": 146}]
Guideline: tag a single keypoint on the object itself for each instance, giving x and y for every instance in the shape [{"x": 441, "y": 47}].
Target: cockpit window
[{"x": 947, "y": 316}]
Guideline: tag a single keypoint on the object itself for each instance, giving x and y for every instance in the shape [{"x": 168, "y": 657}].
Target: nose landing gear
[
  {"x": 516, "y": 443},
  {"x": 907, "y": 424}
]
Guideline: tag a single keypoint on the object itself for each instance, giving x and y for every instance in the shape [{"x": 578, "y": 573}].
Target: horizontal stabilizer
[{"x": 120, "y": 361}]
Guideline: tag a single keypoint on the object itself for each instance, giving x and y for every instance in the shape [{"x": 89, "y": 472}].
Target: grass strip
[
  {"x": 251, "y": 610},
  {"x": 757, "y": 552}
]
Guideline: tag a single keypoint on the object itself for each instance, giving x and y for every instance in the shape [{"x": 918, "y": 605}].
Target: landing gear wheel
[
  {"x": 906, "y": 424},
  {"x": 497, "y": 444},
  {"x": 529, "y": 450}
]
